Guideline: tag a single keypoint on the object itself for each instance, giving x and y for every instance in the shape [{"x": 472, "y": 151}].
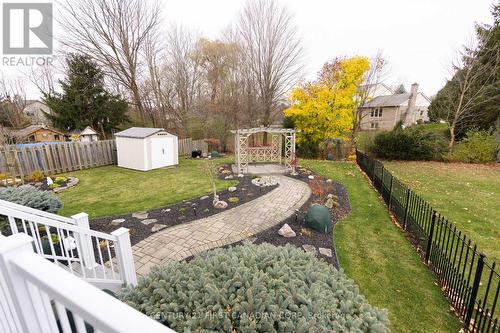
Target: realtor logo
[{"x": 27, "y": 28}]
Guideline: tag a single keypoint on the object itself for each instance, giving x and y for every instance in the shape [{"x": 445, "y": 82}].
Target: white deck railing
[
  {"x": 37, "y": 296},
  {"x": 103, "y": 259}
]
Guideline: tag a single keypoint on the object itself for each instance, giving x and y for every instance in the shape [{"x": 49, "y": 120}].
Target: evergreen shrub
[
  {"x": 254, "y": 288},
  {"x": 414, "y": 143},
  {"x": 30, "y": 196}
]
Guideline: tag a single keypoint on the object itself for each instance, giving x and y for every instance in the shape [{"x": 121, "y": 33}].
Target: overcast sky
[{"x": 418, "y": 37}]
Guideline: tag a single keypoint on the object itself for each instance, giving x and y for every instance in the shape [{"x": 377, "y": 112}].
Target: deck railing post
[
  {"x": 429, "y": 239},
  {"x": 84, "y": 241},
  {"x": 124, "y": 256},
  {"x": 22, "y": 314},
  {"x": 475, "y": 287},
  {"x": 407, "y": 207}
]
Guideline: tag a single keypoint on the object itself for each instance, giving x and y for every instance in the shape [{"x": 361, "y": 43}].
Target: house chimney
[{"x": 410, "y": 111}]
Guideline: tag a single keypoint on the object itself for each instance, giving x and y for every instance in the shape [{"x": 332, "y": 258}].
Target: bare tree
[
  {"x": 113, "y": 33},
  {"x": 373, "y": 77},
  {"x": 471, "y": 80},
  {"x": 12, "y": 102},
  {"x": 273, "y": 52},
  {"x": 184, "y": 72}
]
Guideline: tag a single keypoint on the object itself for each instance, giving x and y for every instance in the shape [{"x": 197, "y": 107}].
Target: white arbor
[{"x": 246, "y": 154}]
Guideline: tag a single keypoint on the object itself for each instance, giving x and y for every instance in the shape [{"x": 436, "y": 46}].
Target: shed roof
[
  {"x": 88, "y": 131},
  {"x": 25, "y": 132},
  {"x": 139, "y": 132}
]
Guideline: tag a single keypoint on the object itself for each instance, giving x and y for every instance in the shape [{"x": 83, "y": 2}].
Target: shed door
[{"x": 161, "y": 152}]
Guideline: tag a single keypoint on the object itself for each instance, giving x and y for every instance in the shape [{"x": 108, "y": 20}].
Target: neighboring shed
[
  {"x": 89, "y": 135},
  {"x": 143, "y": 148},
  {"x": 36, "y": 133}
]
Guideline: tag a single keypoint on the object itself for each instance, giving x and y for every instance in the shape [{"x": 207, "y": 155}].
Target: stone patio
[{"x": 182, "y": 241}]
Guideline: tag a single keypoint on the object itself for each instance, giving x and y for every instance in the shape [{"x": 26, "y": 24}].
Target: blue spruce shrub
[
  {"x": 254, "y": 288},
  {"x": 30, "y": 196}
]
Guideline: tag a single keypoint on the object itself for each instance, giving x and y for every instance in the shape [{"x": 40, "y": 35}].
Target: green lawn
[
  {"x": 110, "y": 190},
  {"x": 376, "y": 255},
  {"x": 467, "y": 194}
]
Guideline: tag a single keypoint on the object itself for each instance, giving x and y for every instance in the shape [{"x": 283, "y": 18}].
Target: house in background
[
  {"x": 385, "y": 111},
  {"x": 88, "y": 134},
  {"x": 35, "y": 111},
  {"x": 36, "y": 133}
]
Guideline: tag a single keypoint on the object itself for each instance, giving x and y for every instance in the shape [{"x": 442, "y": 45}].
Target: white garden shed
[{"x": 144, "y": 148}]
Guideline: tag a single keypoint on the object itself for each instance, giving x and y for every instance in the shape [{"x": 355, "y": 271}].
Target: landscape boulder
[{"x": 286, "y": 231}]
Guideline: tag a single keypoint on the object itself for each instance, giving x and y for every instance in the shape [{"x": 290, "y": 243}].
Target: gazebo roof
[{"x": 263, "y": 129}]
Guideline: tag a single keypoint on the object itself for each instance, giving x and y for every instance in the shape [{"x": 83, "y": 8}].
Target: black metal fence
[{"x": 469, "y": 281}]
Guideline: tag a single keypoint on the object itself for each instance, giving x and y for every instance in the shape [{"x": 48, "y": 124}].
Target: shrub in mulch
[{"x": 253, "y": 288}]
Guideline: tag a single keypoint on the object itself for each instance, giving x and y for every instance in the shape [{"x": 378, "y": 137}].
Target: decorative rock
[
  {"x": 49, "y": 181},
  {"x": 157, "y": 227},
  {"x": 205, "y": 197},
  {"x": 325, "y": 252},
  {"x": 286, "y": 231},
  {"x": 229, "y": 177},
  {"x": 309, "y": 248},
  {"x": 310, "y": 177},
  {"x": 117, "y": 221},
  {"x": 331, "y": 201},
  {"x": 149, "y": 221},
  {"x": 264, "y": 181},
  {"x": 166, "y": 210},
  {"x": 220, "y": 204},
  {"x": 232, "y": 189},
  {"x": 240, "y": 175},
  {"x": 328, "y": 180},
  {"x": 140, "y": 215}
]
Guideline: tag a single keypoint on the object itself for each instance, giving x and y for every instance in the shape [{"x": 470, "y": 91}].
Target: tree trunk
[{"x": 452, "y": 139}]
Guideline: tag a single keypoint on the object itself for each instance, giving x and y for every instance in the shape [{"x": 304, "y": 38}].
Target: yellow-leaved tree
[{"x": 323, "y": 109}]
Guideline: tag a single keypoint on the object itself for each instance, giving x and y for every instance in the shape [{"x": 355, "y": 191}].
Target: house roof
[
  {"x": 88, "y": 131},
  {"x": 139, "y": 132},
  {"x": 368, "y": 87},
  {"x": 389, "y": 100},
  {"x": 24, "y": 132}
]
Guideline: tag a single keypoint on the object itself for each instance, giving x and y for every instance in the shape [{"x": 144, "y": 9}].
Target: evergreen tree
[
  {"x": 84, "y": 100},
  {"x": 487, "y": 107}
]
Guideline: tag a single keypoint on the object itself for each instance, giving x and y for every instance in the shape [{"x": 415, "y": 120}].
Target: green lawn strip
[
  {"x": 375, "y": 254},
  {"x": 466, "y": 194},
  {"x": 110, "y": 190}
]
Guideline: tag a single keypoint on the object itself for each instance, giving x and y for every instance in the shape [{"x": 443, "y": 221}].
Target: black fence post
[
  {"x": 390, "y": 193},
  {"x": 373, "y": 170},
  {"x": 475, "y": 287},
  {"x": 429, "y": 240},
  {"x": 407, "y": 208}
]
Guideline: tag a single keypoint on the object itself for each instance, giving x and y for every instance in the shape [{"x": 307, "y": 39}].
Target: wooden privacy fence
[
  {"x": 187, "y": 145},
  {"x": 469, "y": 280},
  {"x": 56, "y": 158}
]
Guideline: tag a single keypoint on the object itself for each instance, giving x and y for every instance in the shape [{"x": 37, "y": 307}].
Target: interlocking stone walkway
[{"x": 182, "y": 241}]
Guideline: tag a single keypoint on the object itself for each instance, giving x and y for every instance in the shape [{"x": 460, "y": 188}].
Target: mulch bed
[
  {"x": 185, "y": 211},
  {"x": 320, "y": 188}
]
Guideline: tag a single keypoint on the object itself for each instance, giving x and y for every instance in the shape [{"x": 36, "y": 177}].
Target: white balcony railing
[
  {"x": 37, "y": 296},
  {"x": 103, "y": 259}
]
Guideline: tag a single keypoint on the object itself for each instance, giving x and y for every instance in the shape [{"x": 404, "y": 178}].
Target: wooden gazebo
[{"x": 269, "y": 153}]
